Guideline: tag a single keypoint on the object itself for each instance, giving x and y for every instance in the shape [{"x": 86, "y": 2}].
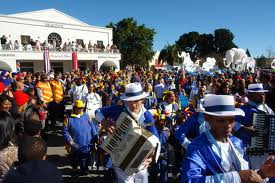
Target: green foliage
[
  {"x": 134, "y": 41},
  {"x": 205, "y": 45},
  {"x": 169, "y": 54},
  {"x": 188, "y": 42},
  {"x": 223, "y": 40},
  {"x": 262, "y": 62},
  {"x": 200, "y": 46}
]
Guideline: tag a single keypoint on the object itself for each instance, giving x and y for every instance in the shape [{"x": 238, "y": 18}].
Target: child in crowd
[
  {"x": 32, "y": 124},
  {"x": 32, "y": 148},
  {"x": 43, "y": 114}
]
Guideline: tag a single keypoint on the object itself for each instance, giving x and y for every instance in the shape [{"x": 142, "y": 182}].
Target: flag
[
  {"x": 18, "y": 66},
  {"x": 74, "y": 60},
  {"x": 47, "y": 65}
]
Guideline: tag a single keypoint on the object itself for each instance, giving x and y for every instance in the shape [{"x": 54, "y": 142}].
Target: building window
[
  {"x": 57, "y": 66},
  {"x": 54, "y": 37},
  {"x": 82, "y": 66},
  {"x": 25, "y": 40},
  {"x": 27, "y": 67}
]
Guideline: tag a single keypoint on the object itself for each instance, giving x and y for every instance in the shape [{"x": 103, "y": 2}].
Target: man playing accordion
[
  {"x": 133, "y": 105},
  {"x": 244, "y": 128},
  {"x": 216, "y": 155}
]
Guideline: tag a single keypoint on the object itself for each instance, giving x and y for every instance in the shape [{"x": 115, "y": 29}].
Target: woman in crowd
[
  {"x": 151, "y": 100},
  {"x": 169, "y": 106},
  {"x": 21, "y": 100},
  {"x": 8, "y": 151},
  {"x": 224, "y": 89},
  {"x": 93, "y": 102},
  {"x": 5, "y": 103}
]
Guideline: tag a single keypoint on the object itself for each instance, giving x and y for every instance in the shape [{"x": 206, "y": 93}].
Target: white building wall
[
  {"x": 11, "y": 57},
  {"x": 41, "y": 24},
  {"x": 49, "y": 14},
  {"x": 17, "y": 27}
]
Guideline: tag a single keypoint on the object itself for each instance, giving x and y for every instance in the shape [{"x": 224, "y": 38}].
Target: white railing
[{"x": 57, "y": 49}]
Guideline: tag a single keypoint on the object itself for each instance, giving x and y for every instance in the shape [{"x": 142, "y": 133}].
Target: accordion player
[
  {"x": 264, "y": 140},
  {"x": 130, "y": 145}
]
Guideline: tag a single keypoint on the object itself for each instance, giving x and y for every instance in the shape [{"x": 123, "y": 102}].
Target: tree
[
  {"x": 223, "y": 40},
  {"x": 270, "y": 52},
  {"x": 169, "y": 54},
  {"x": 262, "y": 62},
  {"x": 188, "y": 43},
  {"x": 205, "y": 45},
  {"x": 134, "y": 41}
]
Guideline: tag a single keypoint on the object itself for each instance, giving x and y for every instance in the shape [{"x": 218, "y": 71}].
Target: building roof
[{"x": 50, "y": 15}]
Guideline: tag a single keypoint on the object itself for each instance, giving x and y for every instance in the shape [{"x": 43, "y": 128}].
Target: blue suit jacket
[
  {"x": 202, "y": 161},
  {"x": 190, "y": 128}
]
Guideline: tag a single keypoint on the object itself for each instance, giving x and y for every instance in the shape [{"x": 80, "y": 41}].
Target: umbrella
[{"x": 4, "y": 65}]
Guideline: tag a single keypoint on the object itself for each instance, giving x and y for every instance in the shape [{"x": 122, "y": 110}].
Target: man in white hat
[
  {"x": 216, "y": 155},
  {"x": 244, "y": 128},
  {"x": 133, "y": 104}
]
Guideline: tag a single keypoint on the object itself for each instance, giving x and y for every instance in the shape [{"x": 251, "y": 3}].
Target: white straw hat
[
  {"x": 133, "y": 91},
  {"x": 256, "y": 88},
  {"x": 220, "y": 105}
]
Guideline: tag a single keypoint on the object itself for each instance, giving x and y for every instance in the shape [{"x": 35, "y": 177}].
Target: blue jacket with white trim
[{"x": 79, "y": 129}]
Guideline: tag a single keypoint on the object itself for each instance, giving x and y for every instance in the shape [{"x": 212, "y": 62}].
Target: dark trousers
[
  {"x": 160, "y": 167},
  {"x": 109, "y": 175},
  {"x": 80, "y": 157},
  {"x": 56, "y": 111}
]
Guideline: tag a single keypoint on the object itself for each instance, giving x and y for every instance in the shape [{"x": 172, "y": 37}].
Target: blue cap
[{"x": 6, "y": 81}]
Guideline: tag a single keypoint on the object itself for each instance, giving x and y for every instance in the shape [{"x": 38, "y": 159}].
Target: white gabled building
[{"x": 56, "y": 28}]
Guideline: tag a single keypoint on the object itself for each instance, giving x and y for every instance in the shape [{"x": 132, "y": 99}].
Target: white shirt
[
  {"x": 93, "y": 101},
  {"x": 79, "y": 92},
  {"x": 229, "y": 155},
  {"x": 168, "y": 107},
  {"x": 226, "y": 156}
]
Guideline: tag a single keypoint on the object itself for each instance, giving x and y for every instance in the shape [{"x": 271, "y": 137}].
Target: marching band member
[
  {"x": 216, "y": 155},
  {"x": 190, "y": 129},
  {"x": 244, "y": 128},
  {"x": 133, "y": 98}
]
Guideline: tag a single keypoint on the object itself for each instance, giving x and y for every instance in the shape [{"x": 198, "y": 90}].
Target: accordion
[
  {"x": 130, "y": 145},
  {"x": 264, "y": 140}
]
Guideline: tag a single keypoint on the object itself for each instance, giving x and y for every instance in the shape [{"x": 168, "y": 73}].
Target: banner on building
[
  {"x": 18, "y": 66},
  {"x": 47, "y": 64},
  {"x": 74, "y": 60}
]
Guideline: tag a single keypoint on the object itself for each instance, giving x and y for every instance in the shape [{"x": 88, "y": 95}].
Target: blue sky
[{"x": 251, "y": 21}]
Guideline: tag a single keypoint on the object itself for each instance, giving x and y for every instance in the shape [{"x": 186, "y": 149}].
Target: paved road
[{"x": 58, "y": 155}]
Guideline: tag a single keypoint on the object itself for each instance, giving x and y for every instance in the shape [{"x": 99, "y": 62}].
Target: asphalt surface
[{"x": 58, "y": 155}]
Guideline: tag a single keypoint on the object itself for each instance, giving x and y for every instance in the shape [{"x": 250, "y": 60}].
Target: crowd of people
[
  {"x": 203, "y": 122},
  {"x": 38, "y": 45}
]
